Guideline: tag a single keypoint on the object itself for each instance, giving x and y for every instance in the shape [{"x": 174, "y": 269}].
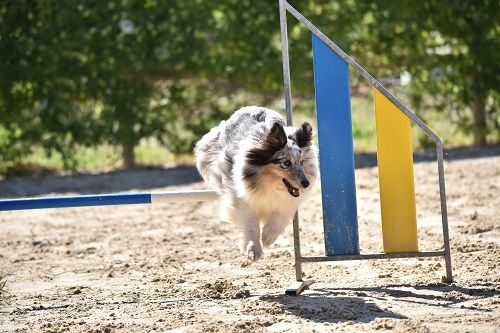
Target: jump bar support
[{"x": 373, "y": 256}]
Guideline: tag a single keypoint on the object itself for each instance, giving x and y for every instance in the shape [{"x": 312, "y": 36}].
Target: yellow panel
[{"x": 395, "y": 167}]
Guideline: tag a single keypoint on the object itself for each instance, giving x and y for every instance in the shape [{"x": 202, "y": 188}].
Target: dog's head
[{"x": 286, "y": 151}]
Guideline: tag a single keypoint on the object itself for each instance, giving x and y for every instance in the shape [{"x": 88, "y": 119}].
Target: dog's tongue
[{"x": 294, "y": 192}]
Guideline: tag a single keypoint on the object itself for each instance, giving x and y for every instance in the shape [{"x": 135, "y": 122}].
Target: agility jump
[{"x": 394, "y": 155}]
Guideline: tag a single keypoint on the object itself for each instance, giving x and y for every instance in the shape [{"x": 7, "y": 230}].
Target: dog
[{"x": 261, "y": 169}]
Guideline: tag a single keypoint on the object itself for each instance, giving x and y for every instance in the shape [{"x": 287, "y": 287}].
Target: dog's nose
[{"x": 305, "y": 183}]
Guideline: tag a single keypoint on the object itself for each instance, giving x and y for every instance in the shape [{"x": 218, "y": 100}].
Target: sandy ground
[{"x": 176, "y": 268}]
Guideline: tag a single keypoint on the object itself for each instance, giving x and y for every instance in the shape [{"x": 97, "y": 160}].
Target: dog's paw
[
  {"x": 253, "y": 251},
  {"x": 269, "y": 235}
]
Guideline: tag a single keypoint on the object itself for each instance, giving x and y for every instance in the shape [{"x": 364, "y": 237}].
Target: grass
[
  {"x": 53, "y": 328},
  {"x": 362, "y": 116},
  {"x": 150, "y": 153},
  {"x": 363, "y": 124},
  {"x": 100, "y": 159},
  {"x": 364, "y": 131}
]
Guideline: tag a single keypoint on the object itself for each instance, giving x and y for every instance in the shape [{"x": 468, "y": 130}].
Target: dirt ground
[{"x": 176, "y": 268}]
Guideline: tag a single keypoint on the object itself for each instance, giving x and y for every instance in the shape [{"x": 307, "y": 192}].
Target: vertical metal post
[
  {"x": 286, "y": 63},
  {"x": 296, "y": 287},
  {"x": 296, "y": 247},
  {"x": 444, "y": 212},
  {"x": 289, "y": 121}
]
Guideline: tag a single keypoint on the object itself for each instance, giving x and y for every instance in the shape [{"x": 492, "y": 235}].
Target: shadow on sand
[
  {"x": 360, "y": 304},
  {"x": 441, "y": 295},
  {"x": 325, "y": 307}
]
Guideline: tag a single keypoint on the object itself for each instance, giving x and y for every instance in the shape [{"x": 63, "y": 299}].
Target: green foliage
[
  {"x": 451, "y": 50},
  {"x": 53, "y": 328},
  {"x": 121, "y": 71}
]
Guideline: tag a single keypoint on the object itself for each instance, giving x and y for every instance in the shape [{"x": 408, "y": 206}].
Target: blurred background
[{"x": 102, "y": 85}]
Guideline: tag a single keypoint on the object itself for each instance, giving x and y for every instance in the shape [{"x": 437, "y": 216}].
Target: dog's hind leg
[
  {"x": 273, "y": 228},
  {"x": 249, "y": 223}
]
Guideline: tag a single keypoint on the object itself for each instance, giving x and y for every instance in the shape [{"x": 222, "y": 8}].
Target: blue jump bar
[
  {"x": 336, "y": 156},
  {"x": 76, "y": 201}
]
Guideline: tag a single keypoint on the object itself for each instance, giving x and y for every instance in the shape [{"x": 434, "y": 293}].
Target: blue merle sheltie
[{"x": 262, "y": 171}]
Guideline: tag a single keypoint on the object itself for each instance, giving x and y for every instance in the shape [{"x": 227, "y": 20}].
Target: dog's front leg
[
  {"x": 273, "y": 228},
  {"x": 251, "y": 234}
]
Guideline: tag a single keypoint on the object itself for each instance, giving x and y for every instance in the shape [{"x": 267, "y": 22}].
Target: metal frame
[{"x": 300, "y": 284}]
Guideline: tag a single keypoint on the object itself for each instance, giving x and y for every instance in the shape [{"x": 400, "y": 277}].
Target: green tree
[
  {"x": 119, "y": 71},
  {"x": 451, "y": 49}
]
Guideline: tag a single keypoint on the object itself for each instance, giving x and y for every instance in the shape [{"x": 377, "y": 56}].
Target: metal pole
[
  {"x": 184, "y": 196},
  {"x": 444, "y": 213},
  {"x": 372, "y": 256},
  {"x": 106, "y": 200},
  {"x": 296, "y": 247},
  {"x": 289, "y": 121},
  {"x": 297, "y": 287},
  {"x": 286, "y": 63}
]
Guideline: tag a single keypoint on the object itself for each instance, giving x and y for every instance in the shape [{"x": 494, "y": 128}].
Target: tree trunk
[
  {"x": 479, "y": 124},
  {"x": 128, "y": 156}
]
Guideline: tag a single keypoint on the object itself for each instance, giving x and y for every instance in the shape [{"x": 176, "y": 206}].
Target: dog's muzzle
[{"x": 294, "y": 192}]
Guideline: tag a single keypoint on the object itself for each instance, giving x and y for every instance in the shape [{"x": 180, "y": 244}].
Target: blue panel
[
  {"x": 336, "y": 157},
  {"x": 75, "y": 201}
]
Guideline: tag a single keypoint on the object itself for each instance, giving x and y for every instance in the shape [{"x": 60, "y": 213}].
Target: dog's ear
[
  {"x": 303, "y": 135},
  {"x": 276, "y": 137}
]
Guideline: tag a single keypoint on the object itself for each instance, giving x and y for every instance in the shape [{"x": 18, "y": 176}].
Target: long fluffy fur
[{"x": 245, "y": 159}]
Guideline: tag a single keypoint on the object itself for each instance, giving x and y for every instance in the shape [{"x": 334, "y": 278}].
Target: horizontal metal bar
[
  {"x": 403, "y": 108},
  {"x": 184, "y": 196},
  {"x": 75, "y": 201},
  {"x": 105, "y": 200},
  {"x": 373, "y": 256}
]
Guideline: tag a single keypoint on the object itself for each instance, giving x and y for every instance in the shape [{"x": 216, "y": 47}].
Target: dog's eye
[{"x": 287, "y": 163}]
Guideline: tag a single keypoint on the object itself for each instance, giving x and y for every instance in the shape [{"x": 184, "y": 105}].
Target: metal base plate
[{"x": 297, "y": 287}]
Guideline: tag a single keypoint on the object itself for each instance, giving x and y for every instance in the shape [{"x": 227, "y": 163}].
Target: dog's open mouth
[{"x": 294, "y": 192}]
